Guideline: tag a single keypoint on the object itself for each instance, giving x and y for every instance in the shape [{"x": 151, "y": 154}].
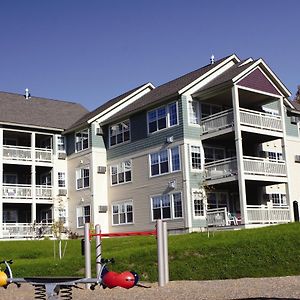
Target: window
[
  {"x": 274, "y": 156},
  {"x": 122, "y": 213},
  {"x": 82, "y": 178},
  {"x": 62, "y": 213},
  {"x": 162, "y": 117},
  {"x": 278, "y": 199},
  {"x": 196, "y": 158},
  {"x": 121, "y": 173},
  {"x": 198, "y": 203},
  {"x": 83, "y": 215},
  {"x": 168, "y": 206},
  {"x": 193, "y": 112},
  {"x": 61, "y": 144},
  {"x": 82, "y": 140},
  {"x": 217, "y": 200},
  {"x": 209, "y": 109},
  {"x": 61, "y": 179},
  {"x": 213, "y": 154},
  {"x": 119, "y": 133},
  {"x": 165, "y": 161}
]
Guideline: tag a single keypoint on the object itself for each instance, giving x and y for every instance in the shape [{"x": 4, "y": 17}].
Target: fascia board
[
  {"x": 144, "y": 87},
  {"x": 32, "y": 126},
  {"x": 232, "y": 57}
]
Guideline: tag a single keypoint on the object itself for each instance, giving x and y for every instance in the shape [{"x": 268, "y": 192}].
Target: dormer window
[
  {"x": 119, "y": 133},
  {"x": 82, "y": 140}
]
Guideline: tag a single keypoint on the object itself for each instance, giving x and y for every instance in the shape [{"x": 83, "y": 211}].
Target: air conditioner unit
[
  {"x": 170, "y": 139},
  {"x": 101, "y": 169},
  {"x": 102, "y": 208},
  {"x": 99, "y": 131},
  {"x": 297, "y": 158},
  {"x": 62, "y": 155},
  {"x": 62, "y": 192}
]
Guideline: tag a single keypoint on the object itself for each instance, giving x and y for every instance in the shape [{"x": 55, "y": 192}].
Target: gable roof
[
  {"x": 84, "y": 120},
  {"x": 38, "y": 112},
  {"x": 167, "y": 90}
]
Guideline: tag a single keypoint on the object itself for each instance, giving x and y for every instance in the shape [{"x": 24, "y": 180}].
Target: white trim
[
  {"x": 107, "y": 113},
  {"x": 82, "y": 207},
  {"x": 117, "y": 165},
  {"x": 217, "y": 67},
  {"x": 88, "y": 139},
  {"x": 31, "y": 126},
  {"x": 250, "y": 59},
  {"x": 201, "y": 158},
  {"x": 118, "y": 202},
  {"x": 193, "y": 204},
  {"x": 109, "y": 135},
  {"x": 86, "y": 167}
]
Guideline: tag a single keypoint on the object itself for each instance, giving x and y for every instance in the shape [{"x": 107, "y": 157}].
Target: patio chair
[{"x": 232, "y": 219}]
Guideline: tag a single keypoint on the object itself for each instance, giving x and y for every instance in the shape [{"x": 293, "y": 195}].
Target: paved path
[{"x": 283, "y": 288}]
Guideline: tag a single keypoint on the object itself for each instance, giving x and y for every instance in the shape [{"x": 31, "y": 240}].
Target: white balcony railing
[
  {"x": 43, "y": 155},
  {"x": 248, "y": 117},
  {"x": 252, "y": 166},
  {"x": 20, "y": 191},
  {"x": 24, "y": 154},
  {"x": 16, "y": 153},
  {"x": 217, "y": 217},
  {"x": 43, "y": 192},
  {"x": 217, "y": 121},
  {"x": 221, "y": 168},
  {"x": 265, "y": 167},
  {"x": 261, "y": 214},
  {"x": 26, "y": 230}
]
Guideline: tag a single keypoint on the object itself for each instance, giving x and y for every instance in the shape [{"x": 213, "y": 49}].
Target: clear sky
[{"x": 91, "y": 51}]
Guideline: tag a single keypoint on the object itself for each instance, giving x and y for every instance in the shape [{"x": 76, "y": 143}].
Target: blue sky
[{"x": 91, "y": 51}]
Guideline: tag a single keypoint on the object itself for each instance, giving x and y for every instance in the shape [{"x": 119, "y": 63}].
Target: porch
[{"x": 25, "y": 191}]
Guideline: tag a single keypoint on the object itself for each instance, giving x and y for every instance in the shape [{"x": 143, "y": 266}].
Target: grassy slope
[{"x": 271, "y": 251}]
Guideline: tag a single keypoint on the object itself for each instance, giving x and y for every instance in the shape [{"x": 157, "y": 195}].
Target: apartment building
[{"x": 218, "y": 146}]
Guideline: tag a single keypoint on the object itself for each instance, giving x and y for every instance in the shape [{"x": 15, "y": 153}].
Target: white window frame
[
  {"x": 61, "y": 177},
  {"x": 201, "y": 193},
  {"x": 61, "y": 142},
  {"x": 278, "y": 156},
  {"x": 168, "y": 125},
  {"x": 62, "y": 215},
  {"x": 281, "y": 197},
  {"x": 172, "y": 210},
  {"x": 123, "y": 131},
  {"x": 121, "y": 169},
  {"x": 80, "y": 140},
  {"x": 80, "y": 213},
  {"x": 80, "y": 176},
  {"x": 201, "y": 152},
  {"x": 120, "y": 204},
  {"x": 169, "y": 161}
]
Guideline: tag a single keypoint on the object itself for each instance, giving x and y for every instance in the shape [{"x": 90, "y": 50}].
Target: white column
[
  {"x": 239, "y": 154},
  {"x": 285, "y": 157},
  {"x": 1, "y": 182},
  {"x": 33, "y": 179}
]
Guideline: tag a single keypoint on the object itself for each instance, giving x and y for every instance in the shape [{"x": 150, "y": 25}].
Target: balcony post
[
  {"x": 286, "y": 158},
  {"x": 239, "y": 154},
  {"x": 1, "y": 182},
  {"x": 33, "y": 179}
]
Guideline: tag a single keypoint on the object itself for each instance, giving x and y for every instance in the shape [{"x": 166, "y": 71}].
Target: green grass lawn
[{"x": 270, "y": 251}]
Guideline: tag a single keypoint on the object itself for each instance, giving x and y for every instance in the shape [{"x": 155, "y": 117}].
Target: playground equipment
[{"x": 54, "y": 288}]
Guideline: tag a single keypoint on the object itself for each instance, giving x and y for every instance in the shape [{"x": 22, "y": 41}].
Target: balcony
[
  {"x": 248, "y": 118},
  {"x": 23, "y": 191},
  {"x": 256, "y": 166},
  {"x": 18, "y": 153}
]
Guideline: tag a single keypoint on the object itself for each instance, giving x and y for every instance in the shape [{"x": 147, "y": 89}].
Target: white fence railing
[
  {"x": 248, "y": 117},
  {"x": 217, "y": 121},
  {"x": 262, "y": 166},
  {"x": 26, "y": 230},
  {"x": 24, "y": 191},
  {"x": 221, "y": 168},
  {"x": 24, "y": 153},
  {"x": 261, "y": 214},
  {"x": 16, "y": 153},
  {"x": 260, "y": 120},
  {"x": 20, "y": 191},
  {"x": 217, "y": 217}
]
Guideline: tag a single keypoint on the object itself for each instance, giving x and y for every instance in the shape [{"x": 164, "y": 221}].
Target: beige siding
[{"x": 140, "y": 190}]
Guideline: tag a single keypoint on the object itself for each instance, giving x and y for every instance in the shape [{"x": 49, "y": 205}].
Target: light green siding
[
  {"x": 97, "y": 141},
  {"x": 291, "y": 129}
]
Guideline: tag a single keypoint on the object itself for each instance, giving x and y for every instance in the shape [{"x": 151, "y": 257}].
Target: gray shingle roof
[
  {"x": 39, "y": 112},
  {"x": 102, "y": 108},
  {"x": 167, "y": 90}
]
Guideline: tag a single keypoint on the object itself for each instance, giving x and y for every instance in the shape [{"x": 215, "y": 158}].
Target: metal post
[
  {"x": 160, "y": 253},
  {"x": 166, "y": 258},
  {"x": 98, "y": 250},
  {"x": 87, "y": 253}
]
